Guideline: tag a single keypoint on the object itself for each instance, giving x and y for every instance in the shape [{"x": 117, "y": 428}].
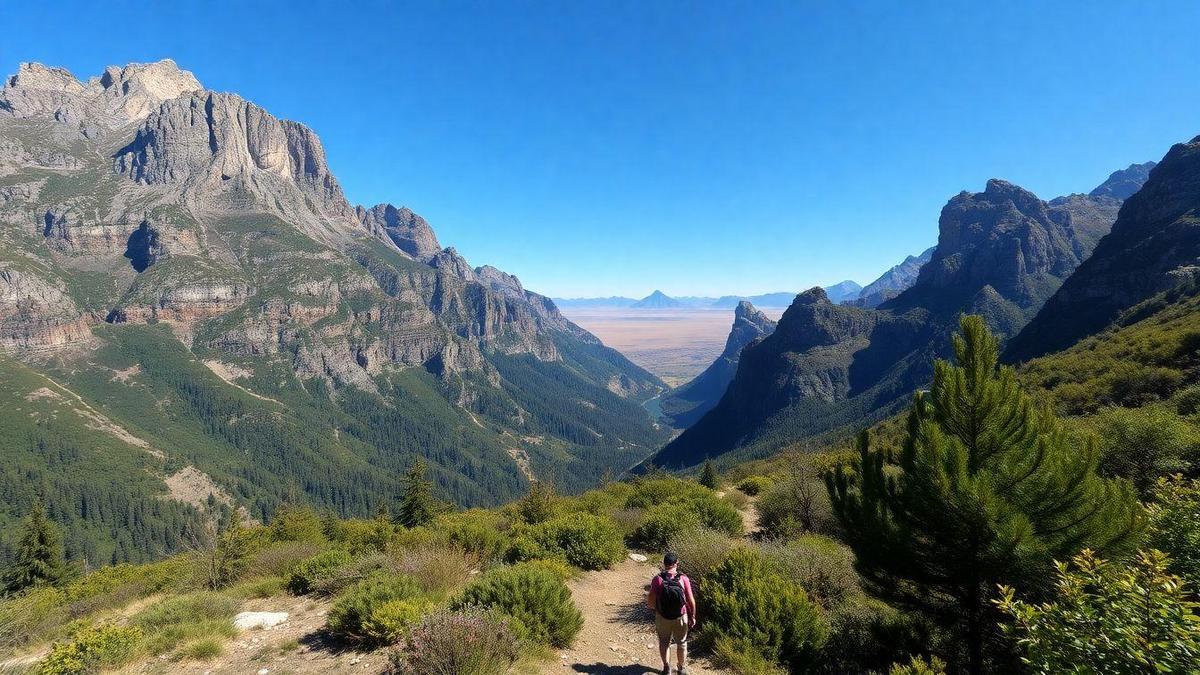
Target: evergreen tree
[
  {"x": 229, "y": 554},
  {"x": 417, "y": 506},
  {"x": 39, "y": 557},
  {"x": 988, "y": 490},
  {"x": 708, "y": 476}
]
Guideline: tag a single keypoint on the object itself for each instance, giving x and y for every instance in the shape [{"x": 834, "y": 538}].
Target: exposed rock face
[
  {"x": 115, "y": 99},
  {"x": 409, "y": 231},
  {"x": 894, "y": 281},
  {"x": 1124, "y": 183},
  {"x": 1154, "y": 246},
  {"x": 141, "y": 198},
  {"x": 690, "y": 402},
  {"x": 1006, "y": 251},
  {"x": 1000, "y": 253}
]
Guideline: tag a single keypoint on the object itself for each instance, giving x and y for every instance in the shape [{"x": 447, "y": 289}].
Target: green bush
[
  {"x": 296, "y": 523},
  {"x": 795, "y": 505},
  {"x": 1143, "y": 444},
  {"x": 308, "y": 574},
  {"x": 361, "y": 536},
  {"x": 1175, "y": 526},
  {"x": 389, "y": 622},
  {"x": 668, "y": 519},
  {"x": 476, "y": 531},
  {"x": 700, "y": 550},
  {"x": 748, "y": 602},
  {"x": 821, "y": 566},
  {"x": 537, "y": 506},
  {"x": 439, "y": 570},
  {"x": 280, "y": 558},
  {"x": 742, "y": 658},
  {"x": 92, "y": 650},
  {"x": 468, "y": 642},
  {"x": 537, "y": 601},
  {"x": 1187, "y": 402},
  {"x": 866, "y": 635},
  {"x": 586, "y": 541},
  {"x": 180, "y": 619},
  {"x": 918, "y": 665},
  {"x": 204, "y": 649},
  {"x": 1108, "y": 619},
  {"x": 357, "y": 605},
  {"x": 524, "y": 548},
  {"x": 753, "y": 485}
]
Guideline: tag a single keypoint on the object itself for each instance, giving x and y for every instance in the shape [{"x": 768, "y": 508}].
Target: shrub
[
  {"x": 668, "y": 520},
  {"x": 866, "y": 635},
  {"x": 919, "y": 666},
  {"x": 306, "y": 575},
  {"x": 537, "y": 506},
  {"x": 737, "y": 499},
  {"x": 181, "y": 619},
  {"x": 821, "y": 566},
  {"x": 357, "y": 605},
  {"x": 586, "y": 541},
  {"x": 204, "y": 649},
  {"x": 388, "y": 623},
  {"x": 1187, "y": 402},
  {"x": 1145, "y": 443},
  {"x": 525, "y": 548},
  {"x": 537, "y": 601},
  {"x": 31, "y": 616},
  {"x": 793, "y": 506},
  {"x": 741, "y": 657},
  {"x": 91, "y": 650},
  {"x": 439, "y": 570},
  {"x": 279, "y": 559},
  {"x": 296, "y": 523},
  {"x": 1108, "y": 619},
  {"x": 468, "y": 642},
  {"x": 748, "y": 602},
  {"x": 258, "y": 588},
  {"x": 700, "y": 551},
  {"x": 753, "y": 485},
  {"x": 628, "y": 520},
  {"x": 362, "y": 536},
  {"x": 348, "y": 575},
  {"x": 1175, "y": 526},
  {"x": 475, "y": 531}
]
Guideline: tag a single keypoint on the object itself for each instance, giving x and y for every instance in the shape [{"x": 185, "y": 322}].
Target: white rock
[
  {"x": 248, "y": 620},
  {"x": 263, "y": 671},
  {"x": 637, "y": 557}
]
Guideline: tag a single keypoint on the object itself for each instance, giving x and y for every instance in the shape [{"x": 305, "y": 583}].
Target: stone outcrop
[
  {"x": 406, "y": 229},
  {"x": 893, "y": 282},
  {"x": 1154, "y": 246},
  {"x": 688, "y": 403}
]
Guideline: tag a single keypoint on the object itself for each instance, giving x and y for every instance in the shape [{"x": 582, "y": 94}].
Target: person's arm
[
  {"x": 652, "y": 596},
  {"x": 691, "y": 603}
]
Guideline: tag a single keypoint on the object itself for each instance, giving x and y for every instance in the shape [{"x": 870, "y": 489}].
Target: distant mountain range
[
  {"x": 1002, "y": 253},
  {"x": 843, "y": 291}
]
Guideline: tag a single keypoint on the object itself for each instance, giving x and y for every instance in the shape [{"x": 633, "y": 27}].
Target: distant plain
[{"x": 674, "y": 344}]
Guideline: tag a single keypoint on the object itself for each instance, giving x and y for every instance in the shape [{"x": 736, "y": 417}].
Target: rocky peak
[
  {"x": 38, "y": 76},
  {"x": 813, "y": 296},
  {"x": 500, "y": 282},
  {"x": 749, "y": 324},
  {"x": 409, "y": 231},
  {"x": 1124, "y": 183},
  {"x": 449, "y": 261}
]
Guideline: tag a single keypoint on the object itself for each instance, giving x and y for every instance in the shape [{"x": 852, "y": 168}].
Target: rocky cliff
[
  {"x": 140, "y": 201},
  {"x": 1153, "y": 247},
  {"x": 1000, "y": 253},
  {"x": 893, "y": 282},
  {"x": 686, "y": 404}
]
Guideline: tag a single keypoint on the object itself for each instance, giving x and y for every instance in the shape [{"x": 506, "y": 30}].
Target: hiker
[{"x": 674, "y": 608}]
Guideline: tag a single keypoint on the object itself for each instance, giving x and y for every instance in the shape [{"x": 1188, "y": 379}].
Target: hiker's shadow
[
  {"x": 605, "y": 669},
  {"x": 635, "y": 613}
]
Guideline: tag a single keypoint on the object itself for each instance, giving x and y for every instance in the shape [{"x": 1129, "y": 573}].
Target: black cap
[{"x": 670, "y": 559}]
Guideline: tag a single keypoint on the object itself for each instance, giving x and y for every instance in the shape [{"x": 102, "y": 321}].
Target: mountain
[
  {"x": 778, "y": 299},
  {"x": 190, "y": 307},
  {"x": 1124, "y": 183},
  {"x": 894, "y": 281},
  {"x": 688, "y": 403},
  {"x": 1153, "y": 247},
  {"x": 589, "y": 303},
  {"x": 657, "y": 300},
  {"x": 827, "y": 367},
  {"x": 843, "y": 291}
]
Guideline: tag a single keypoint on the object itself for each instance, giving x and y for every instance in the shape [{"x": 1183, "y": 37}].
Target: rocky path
[{"x": 618, "y": 630}]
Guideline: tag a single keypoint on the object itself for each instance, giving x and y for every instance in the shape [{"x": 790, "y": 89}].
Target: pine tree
[
  {"x": 417, "y": 506},
  {"x": 988, "y": 490},
  {"x": 39, "y": 557},
  {"x": 229, "y": 555},
  {"x": 708, "y": 476}
]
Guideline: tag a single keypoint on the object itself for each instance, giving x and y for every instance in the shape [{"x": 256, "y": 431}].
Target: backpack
[{"x": 671, "y": 598}]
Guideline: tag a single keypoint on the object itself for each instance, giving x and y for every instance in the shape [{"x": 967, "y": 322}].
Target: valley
[{"x": 674, "y": 344}]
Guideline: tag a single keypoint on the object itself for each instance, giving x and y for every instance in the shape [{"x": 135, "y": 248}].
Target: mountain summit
[
  {"x": 657, "y": 300},
  {"x": 187, "y": 265}
]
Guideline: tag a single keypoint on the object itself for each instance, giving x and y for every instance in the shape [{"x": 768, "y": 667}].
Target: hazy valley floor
[{"x": 674, "y": 344}]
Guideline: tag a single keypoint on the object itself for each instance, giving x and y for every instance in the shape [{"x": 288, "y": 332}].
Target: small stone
[
  {"x": 637, "y": 557},
  {"x": 263, "y": 671}
]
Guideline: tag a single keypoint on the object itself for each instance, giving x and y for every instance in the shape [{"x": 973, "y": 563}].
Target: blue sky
[{"x": 607, "y": 147}]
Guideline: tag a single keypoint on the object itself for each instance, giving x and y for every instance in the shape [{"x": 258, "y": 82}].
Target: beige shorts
[{"x": 671, "y": 630}]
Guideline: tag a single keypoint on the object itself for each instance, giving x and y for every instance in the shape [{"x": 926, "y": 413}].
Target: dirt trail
[{"x": 618, "y": 630}]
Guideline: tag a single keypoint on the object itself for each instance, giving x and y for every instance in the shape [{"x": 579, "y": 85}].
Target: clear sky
[{"x": 605, "y": 147}]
